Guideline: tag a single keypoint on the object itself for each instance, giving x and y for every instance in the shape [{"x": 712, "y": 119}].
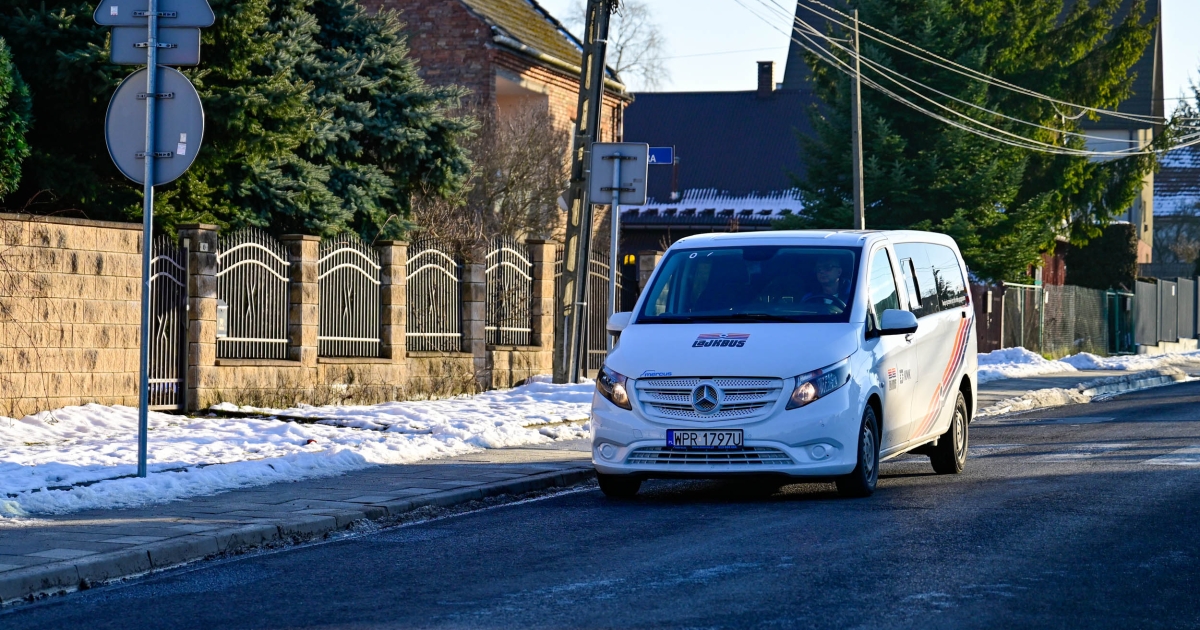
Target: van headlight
[
  {"x": 611, "y": 385},
  {"x": 813, "y": 385}
]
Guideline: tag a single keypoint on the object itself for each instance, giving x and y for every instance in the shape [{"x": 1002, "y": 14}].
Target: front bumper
[{"x": 817, "y": 440}]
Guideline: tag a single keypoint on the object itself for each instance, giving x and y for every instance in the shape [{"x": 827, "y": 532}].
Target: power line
[
  {"x": 804, "y": 30},
  {"x": 960, "y": 69}
]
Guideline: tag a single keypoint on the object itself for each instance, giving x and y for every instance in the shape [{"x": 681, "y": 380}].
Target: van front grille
[
  {"x": 671, "y": 398},
  {"x": 750, "y": 456}
]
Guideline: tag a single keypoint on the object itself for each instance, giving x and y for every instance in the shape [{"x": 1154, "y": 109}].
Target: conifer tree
[
  {"x": 1004, "y": 205},
  {"x": 14, "y": 122},
  {"x": 315, "y": 119}
]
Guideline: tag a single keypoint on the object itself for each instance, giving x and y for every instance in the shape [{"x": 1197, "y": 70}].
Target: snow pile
[
  {"x": 1131, "y": 362},
  {"x": 66, "y": 460},
  {"x": 1017, "y": 363},
  {"x": 1021, "y": 363}
]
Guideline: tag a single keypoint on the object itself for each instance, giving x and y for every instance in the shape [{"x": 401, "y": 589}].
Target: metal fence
[
  {"x": 1119, "y": 312},
  {"x": 1186, "y": 318},
  {"x": 509, "y": 274},
  {"x": 434, "y": 278},
  {"x": 168, "y": 325},
  {"x": 1074, "y": 320},
  {"x": 252, "y": 294},
  {"x": 1146, "y": 305},
  {"x": 596, "y": 336},
  {"x": 1022, "y": 324},
  {"x": 348, "y": 281}
]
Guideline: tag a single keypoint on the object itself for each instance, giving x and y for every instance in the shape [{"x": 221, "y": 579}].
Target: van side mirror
[
  {"x": 897, "y": 322},
  {"x": 618, "y": 321}
]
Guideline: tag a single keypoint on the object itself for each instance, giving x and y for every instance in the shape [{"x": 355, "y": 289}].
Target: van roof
[{"x": 827, "y": 237}]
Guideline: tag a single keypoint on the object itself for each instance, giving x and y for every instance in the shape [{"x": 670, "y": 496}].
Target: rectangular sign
[
  {"x": 632, "y": 156},
  {"x": 175, "y": 13},
  {"x": 662, "y": 155},
  {"x": 125, "y": 50}
]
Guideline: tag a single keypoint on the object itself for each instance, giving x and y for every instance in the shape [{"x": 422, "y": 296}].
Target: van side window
[
  {"x": 951, "y": 289},
  {"x": 925, "y": 285},
  {"x": 882, "y": 284}
]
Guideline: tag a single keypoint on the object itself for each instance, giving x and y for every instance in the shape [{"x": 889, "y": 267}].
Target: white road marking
[
  {"x": 1187, "y": 456},
  {"x": 1078, "y": 452}
]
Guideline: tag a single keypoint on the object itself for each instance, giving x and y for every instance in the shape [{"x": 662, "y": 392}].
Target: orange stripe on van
[{"x": 944, "y": 387}]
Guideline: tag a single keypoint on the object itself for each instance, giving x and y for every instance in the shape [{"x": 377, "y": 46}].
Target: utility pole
[
  {"x": 571, "y": 314},
  {"x": 860, "y": 221}
]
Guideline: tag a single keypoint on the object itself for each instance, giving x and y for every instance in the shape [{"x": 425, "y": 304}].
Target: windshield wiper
[
  {"x": 749, "y": 317},
  {"x": 726, "y": 317}
]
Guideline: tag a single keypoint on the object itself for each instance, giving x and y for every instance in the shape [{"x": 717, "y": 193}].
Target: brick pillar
[
  {"x": 304, "y": 306},
  {"x": 474, "y": 315},
  {"x": 647, "y": 261},
  {"x": 202, "y": 312},
  {"x": 541, "y": 253},
  {"x": 393, "y": 298}
]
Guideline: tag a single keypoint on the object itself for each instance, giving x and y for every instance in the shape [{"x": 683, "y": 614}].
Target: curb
[
  {"x": 1085, "y": 392},
  {"x": 70, "y": 575}
]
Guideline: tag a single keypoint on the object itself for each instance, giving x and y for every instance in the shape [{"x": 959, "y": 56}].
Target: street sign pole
[
  {"x": 147, "y": 233},
  {"x": 613, "y": 253}
]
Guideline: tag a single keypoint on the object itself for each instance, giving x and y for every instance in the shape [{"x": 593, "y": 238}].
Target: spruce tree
[
  {"x": 387, "y": 135},
  {"x": 14, "y": 122},
  {"x": 1004, "y": 205},
  {"x": 315, "y": 119}
]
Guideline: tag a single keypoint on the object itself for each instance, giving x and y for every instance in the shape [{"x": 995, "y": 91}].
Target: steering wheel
[{"x": 828, "y": 300}]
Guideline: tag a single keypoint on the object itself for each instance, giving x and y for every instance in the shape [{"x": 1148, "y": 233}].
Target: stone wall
[
  {"x": 69, "y": 313},
  {"x": 57, "y": 348}
]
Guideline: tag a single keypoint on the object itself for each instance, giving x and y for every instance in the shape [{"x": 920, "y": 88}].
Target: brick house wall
[{"x": 453, "y": 46}]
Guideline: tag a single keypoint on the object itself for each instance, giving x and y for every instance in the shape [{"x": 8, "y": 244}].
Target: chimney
[{"x": 766, "y": 78}]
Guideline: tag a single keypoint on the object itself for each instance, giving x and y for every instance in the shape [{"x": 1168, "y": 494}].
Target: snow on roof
[
  {"x": 1177, "y": 184},
  {"x": 709, "y": 205}
]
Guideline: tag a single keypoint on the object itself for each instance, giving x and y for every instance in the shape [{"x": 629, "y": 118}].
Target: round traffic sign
[{"x": 179, "y": 126}]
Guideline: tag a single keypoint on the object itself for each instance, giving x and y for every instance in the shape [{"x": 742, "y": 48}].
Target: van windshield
[{"x": 768, "y": 283}]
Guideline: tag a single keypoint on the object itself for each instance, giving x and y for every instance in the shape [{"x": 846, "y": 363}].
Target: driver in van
[{"x": 832, "y": 289}]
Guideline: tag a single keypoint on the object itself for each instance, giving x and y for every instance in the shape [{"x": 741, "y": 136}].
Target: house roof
[
  {"x": 705, "y": 209},
  {"x": 526, "y": 22},
  {"x": 732, "y": 143},
  {"x": 1177, "y": 185}
]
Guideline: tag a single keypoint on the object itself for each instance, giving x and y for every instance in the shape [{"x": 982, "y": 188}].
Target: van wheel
[
  {"x": 949, "y": 457},
  {"x": 618, "y": 486},
  {"x": 861, "y": 481}
]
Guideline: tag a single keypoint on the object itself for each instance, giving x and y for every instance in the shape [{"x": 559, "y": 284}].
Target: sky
[{"x": 697, "y": 29}]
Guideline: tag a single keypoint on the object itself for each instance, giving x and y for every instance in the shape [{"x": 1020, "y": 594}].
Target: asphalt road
[{"x": 1086, "y": 516}]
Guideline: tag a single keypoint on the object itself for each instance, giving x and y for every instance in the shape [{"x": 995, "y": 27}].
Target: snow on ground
[
  {"x": 66, "y": 460},
  {"x": 1020, "y": 363},
  {"x": 1017, "y": 363}
]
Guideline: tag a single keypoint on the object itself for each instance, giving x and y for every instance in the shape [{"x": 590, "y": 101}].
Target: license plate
[{"x": 704, "y": 440}]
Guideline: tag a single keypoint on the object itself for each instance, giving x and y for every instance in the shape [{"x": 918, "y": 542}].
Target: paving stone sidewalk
[{"x": 47, "y": 554}]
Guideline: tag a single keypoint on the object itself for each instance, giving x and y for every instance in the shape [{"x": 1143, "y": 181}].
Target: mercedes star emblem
[{"x": 705, "y": 399}]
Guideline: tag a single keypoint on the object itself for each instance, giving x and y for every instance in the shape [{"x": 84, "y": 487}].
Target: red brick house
[{"x": 509, "y": 53}]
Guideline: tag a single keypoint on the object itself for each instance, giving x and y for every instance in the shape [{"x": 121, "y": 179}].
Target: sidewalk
[
  {"x": 49, "y": 554},
  {"x": 56, "y": 553}
]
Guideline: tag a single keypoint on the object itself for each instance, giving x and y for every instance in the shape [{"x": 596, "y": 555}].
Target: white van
[{"x": 790, "y": 353}]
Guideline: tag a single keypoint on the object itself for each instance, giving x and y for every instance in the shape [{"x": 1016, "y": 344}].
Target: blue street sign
[{"x": 662, "y": 155}]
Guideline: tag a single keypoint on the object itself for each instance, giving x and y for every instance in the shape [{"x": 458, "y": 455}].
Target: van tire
[
  {"x": 862, "y": 480},
  {"x": 949, "y": 457},
  {"x": 618, "y": 486}
]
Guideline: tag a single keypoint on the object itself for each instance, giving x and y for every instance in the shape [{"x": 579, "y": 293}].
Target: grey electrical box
[{"x": 222, "y": 319}]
